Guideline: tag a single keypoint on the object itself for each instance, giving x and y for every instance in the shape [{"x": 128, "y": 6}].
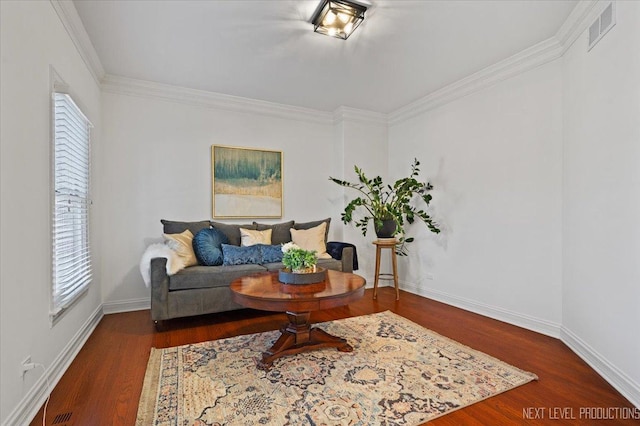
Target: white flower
[{"x": 288, "y": 246}]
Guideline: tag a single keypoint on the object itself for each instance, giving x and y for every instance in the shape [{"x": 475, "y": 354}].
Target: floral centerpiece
[
  {"x": 297, "y": 260},
  {"x": 300, "y": 266}
]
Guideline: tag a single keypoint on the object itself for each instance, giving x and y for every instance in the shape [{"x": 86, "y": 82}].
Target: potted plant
[
  {"x": 298, "y": 260},
  {"x": 300, "y": 266},
  {"x": 389, "y": 206}
]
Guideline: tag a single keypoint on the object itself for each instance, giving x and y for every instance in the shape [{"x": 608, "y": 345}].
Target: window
[{"x": 70, "y": 230}]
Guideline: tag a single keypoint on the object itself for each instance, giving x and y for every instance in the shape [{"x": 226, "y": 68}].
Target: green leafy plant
[
  {"x": 382, "y": 202},
  {"x": 295, "y": 258}
]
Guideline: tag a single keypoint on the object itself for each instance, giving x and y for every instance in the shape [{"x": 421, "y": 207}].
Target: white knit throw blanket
[{"x": 174, "y": 262}]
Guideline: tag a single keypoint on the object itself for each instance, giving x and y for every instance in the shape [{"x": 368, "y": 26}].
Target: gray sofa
[{"x": 198, "y": 290}]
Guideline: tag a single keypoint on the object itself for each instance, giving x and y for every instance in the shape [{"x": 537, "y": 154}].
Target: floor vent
[
  {"x": 603, "y": 23},
  {"x": 62, "y": 418}
]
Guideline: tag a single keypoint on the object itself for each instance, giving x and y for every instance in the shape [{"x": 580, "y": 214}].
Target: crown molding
[
  {"x": 553, "y": 48},
  {"x": 578, "y": 21},
  {"x": 149, "y": 89},
  {"x": 73, "y": 24},
  {"x": 526, "y": 60},
  {"x": 344, "y": 113}
]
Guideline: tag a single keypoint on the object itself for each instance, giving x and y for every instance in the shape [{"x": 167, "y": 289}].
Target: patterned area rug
[{"x": 399, "y": 373}]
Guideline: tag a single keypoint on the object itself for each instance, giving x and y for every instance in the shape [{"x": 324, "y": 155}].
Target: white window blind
[{"x": 71, "y": 159}]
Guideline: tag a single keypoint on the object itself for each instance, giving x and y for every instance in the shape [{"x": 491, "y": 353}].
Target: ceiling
[{"x": 267, "y": 50}]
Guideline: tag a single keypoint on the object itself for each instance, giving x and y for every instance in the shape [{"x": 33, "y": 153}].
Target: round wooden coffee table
[{"x": 264, "y": 291}]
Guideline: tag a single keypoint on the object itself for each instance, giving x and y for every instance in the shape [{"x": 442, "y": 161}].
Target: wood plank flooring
[{"x": 103, "y": 384}]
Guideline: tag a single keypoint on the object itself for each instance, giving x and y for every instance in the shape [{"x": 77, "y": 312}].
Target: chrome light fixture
[{"x": 338, "y": 18}]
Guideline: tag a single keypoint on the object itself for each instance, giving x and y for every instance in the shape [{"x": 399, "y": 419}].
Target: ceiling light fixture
[{"x": 338, "y": 18}]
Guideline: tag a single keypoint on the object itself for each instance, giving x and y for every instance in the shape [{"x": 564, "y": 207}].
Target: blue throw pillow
[
  {"x": 207, "y": 245},
  {"x": 236, "y": 255},
  {"x": 271, "y": 254}
]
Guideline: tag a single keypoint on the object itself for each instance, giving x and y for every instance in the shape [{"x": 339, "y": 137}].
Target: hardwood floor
[{"x": 103, "y": 384}]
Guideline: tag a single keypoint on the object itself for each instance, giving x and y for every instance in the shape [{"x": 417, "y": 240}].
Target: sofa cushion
[
  {"x": 232, "y": 231},
  {"x": 210, "y": 276},
  {"x": 251, "y": 237},
  {"x": 312, "y": 239},
  {"x": 182, "y": 244},
  {"x": 207, "y": 245},
  {"x": 330, "y": 263},
  {"x": 308, "y": 225},
  {"x": 173, "y": 227},
  {"x": 280, "y": 233},
  {"x": 234, "y": 255},
  {"x": 271, "y": 253}
]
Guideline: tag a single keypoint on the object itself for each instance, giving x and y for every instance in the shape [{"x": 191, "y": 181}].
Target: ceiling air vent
[{"x": 602, "y": 25}]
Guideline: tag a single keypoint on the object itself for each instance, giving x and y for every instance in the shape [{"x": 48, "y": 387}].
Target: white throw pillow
[
  {"x": 183, "y": 245},
  {"x": 312, "y": 239},
  {"x": 249, "y": 237}
]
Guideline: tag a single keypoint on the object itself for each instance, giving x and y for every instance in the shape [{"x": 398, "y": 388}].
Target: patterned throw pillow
[
  {"x": 207, "y": 245},
  {"x": 271, "y": 253},
  {"x": 234, "y": 255}
]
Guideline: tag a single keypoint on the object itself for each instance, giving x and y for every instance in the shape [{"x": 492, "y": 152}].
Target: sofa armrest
[
  {"x": 159, "y": 289},
  {"x": 344, "y": 252},
  {"x": 347, "y": 259}
]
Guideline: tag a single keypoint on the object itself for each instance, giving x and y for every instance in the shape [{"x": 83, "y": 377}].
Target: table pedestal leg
[{"x": 298, "y": 336}]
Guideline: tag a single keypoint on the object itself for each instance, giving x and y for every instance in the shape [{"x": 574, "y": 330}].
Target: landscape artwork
[{"x": 247, "y": 183}]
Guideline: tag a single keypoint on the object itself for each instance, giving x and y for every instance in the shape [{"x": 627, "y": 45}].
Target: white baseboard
[
  {"x": 619, "y": 380},
  {"x": 538, "y": 325},
  {"x": 126, "y": 305},
  {"x": 27, "y": 409}
]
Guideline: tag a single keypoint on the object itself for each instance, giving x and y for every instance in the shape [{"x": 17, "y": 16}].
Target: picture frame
[{"x": 246, "y": 182}]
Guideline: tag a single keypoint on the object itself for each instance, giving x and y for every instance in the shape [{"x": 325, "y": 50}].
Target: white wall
[
  {"x": 364, "y": 145},
  {"x": 601, "y": 226},
  {"x": 157, "y": 165},
  {"x": 33, "y": 38},
  {"x": 495, "y": 159}
]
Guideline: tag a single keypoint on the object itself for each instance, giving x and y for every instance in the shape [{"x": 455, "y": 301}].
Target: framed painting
[{"x": 247, "y": 182}]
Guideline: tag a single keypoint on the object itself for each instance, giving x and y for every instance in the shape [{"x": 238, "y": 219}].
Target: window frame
[{"x": 79, "y": 204}]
